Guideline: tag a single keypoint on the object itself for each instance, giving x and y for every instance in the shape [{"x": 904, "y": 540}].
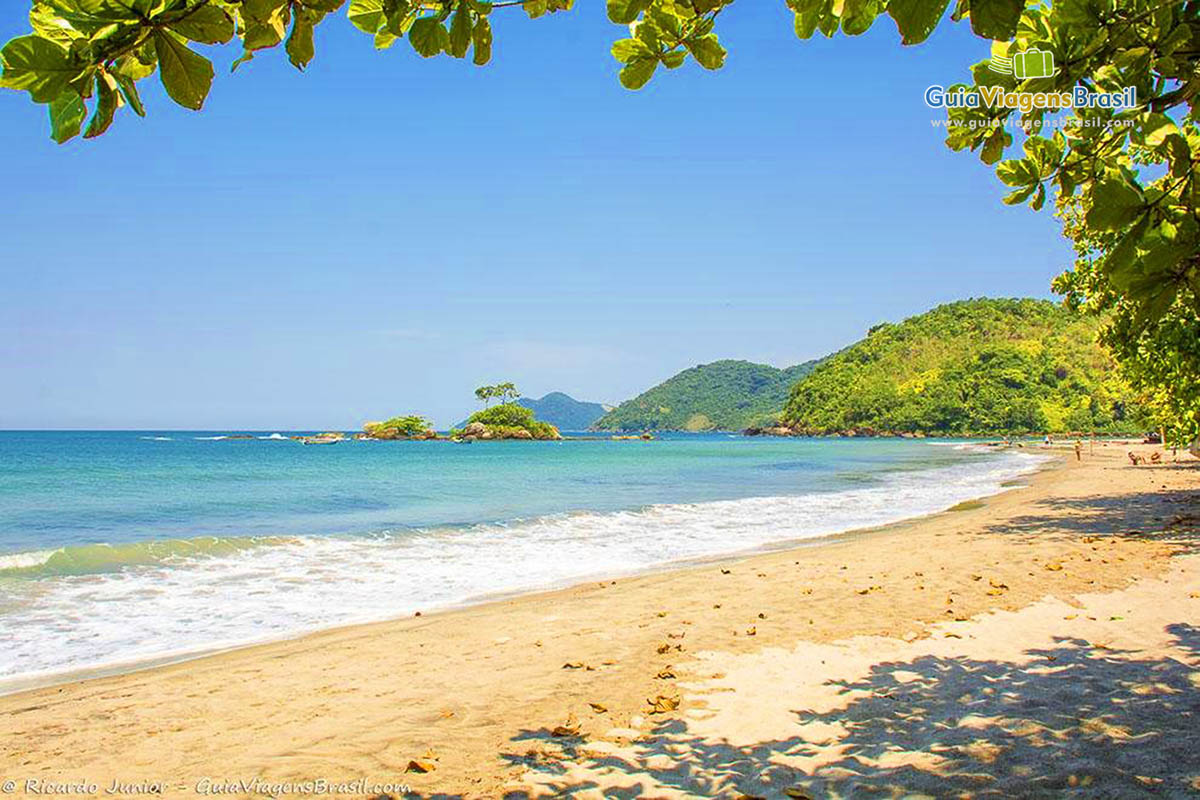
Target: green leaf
[
  {"x": 300, "y": 47},
  {"x": 47, "y": 24},
  {"x": 707, "y": 51},
  {"x": 993, "y": 146},
  {"x": 366, "y": 15},
  {"x": 806, "y": 24},
  {"x": 67, "y": 112},
  {"x": 207, "y": 24},
  {"x": 673, "y": 59},
  {"x": 89, "y": 16},
  {"x": 106, "y": 106},
  {"x": 187, "y": 76},
  {"x": 1115, "y": 203},
  {"x": 625, "y": 50},
  {"x": 38, "y": 66},
  {"x": 428, "y": 37},
  {"x": 638, "y": 72},
  {"x": 996, "y": 19},
  {"x": 1017, "y": 172},
  {"x": 481, "y": 39},
  {"x": 916, "y": 19},
  {"x": 460, "y": 32},
  {"x": 624, "y": 12},
  {"x": 130, "y": 92},
  {"x": 858, "y": 16}
]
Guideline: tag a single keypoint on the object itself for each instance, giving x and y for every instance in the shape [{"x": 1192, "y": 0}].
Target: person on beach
[{"x": 1078, "y": 449}]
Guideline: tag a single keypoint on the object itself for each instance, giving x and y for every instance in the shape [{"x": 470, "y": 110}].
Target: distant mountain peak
[{"x": 563, "y": 411}]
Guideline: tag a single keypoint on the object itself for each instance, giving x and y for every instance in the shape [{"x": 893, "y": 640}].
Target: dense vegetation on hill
[
  {"x": 563, "y": 411},
  {"x": 972, "y": 367},
  {"x": 724, "y": 395},
  {"x": 507, "y": 421},
  {"x": 403, "y": 427}
]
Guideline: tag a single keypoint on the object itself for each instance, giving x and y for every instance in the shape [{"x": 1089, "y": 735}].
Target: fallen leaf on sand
[
  {"x": 1195, "y": 595},
  {"x": 716, "y": 605},
  {"x": 568, "y": 728},
  {"x": 662, "y": 648},
  {"x": 725, "y": 571},
  {"x": 752, "y": 631},
  {"x": 995, "y": 592},
  {"x": 976, "y": 577},
  {"x": 599, "y": 708},
  {"x": 762, "y": 615},
  {"x": 1054, "y": 566},
  {"x": 663, "y": 704},
  {"x": 574, "y": 665},
  {"x": 996, "y": 584},
  {"x": 951, "y": 635},
  {"x": 662, "y": 613},
  {"x": 420, "y": 766},
  {"x": 665, "y": 674},
  {"x": 446, "y": 713}
]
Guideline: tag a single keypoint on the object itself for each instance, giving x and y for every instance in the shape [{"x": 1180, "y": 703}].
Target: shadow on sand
[{"x": 1076, "y": 720}]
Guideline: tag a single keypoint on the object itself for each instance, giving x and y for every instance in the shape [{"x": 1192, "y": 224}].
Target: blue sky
[{"x": 383, "y": 233}]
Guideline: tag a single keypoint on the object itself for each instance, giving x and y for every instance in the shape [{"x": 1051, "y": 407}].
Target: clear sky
[{"x": 382, "y": 233}]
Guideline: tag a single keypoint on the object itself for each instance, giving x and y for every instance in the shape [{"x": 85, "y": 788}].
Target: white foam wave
[
  {"x": 32, "y": 558},
  {"x": 209, "y": 438},
  {"x": 274, "y": 437},
  {"x": 308, "y": 583},
  {"x": 156, "y": 438}
]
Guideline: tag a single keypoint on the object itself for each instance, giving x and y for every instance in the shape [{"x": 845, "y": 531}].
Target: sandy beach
[{"x": 1036, "y": 643}]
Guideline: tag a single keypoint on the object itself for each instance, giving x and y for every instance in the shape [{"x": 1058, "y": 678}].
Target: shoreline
[
  {"x": 474, "y": 694},
  {"x": 16, "y": 685}
]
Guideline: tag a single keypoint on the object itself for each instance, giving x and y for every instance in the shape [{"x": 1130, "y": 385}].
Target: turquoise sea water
[{"x": 120, "y": 547}]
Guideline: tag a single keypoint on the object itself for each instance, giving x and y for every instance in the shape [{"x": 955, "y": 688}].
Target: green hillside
[
  {"x": 724, "y": 395},
  {"x": 973, "y": 367},
  {"x": 563, "y": 411}
]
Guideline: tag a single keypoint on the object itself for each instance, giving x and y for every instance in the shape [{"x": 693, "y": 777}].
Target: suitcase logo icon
[{"x": 1030, "y": 64}]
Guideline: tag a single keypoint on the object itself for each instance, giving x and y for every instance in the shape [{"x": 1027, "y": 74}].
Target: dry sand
[{"x": 1043, "y": 643}]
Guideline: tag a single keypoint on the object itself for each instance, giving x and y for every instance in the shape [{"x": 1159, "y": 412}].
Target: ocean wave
[
  {"x": 156, "y": 438},
  {"x": 209, "y": 438},
  {"x": 274, "y": 437},
  {"x": 99, "y": 559},
  {"x": 199, "y": 594}
]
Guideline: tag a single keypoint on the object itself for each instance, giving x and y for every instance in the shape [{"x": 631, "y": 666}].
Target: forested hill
[
  {"x": 564, "y": 412},
  {"x": 724, "y": 395},
  {"x": 973, "y": 367}
]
